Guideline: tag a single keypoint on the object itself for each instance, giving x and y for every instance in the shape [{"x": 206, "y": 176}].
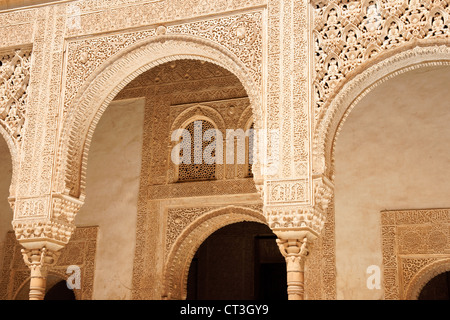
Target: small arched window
[{"x": 201, "y": 145}]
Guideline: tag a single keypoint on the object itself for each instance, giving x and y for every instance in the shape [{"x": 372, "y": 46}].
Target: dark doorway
[
  {"x": 238, "y": 262},
  {"x": 60, "y": 291},
  {"x": 437, "y": 289}
]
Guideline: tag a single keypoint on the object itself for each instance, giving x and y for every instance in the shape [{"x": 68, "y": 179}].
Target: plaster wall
[
  {"x": 6, "y": 213},
  {"x": 392, "y": 153},
  {"x": 112, "y": 190}
]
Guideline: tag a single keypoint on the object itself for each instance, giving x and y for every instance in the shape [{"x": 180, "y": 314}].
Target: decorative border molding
[{"x": 415, "y": 246}]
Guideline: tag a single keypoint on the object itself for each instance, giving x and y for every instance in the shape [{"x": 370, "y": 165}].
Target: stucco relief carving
[
  {"x": 14, "y": 79},
  {"x": 398, "y": 62},
  {"x": 187, "y": 46},
  {"x": 32, "y": 222},
  {"x": 16, "y": 28},
  {"x": 87, "y": 55},
  {"x": 352, "y": 41},
  {"x": 109, "y": 15},
  {"x": 415, "y": 246},
  {"x": 300, "y": 217},
  {"x": 183, "y": 250},
  {"x": 348, "y": 34},
  {"x": 320, "y": 267}
]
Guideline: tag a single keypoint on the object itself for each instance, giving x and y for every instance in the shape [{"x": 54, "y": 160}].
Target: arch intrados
[{"x": 190, "y": 240}]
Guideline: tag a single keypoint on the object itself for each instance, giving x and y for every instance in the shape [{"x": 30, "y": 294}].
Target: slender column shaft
[
  {"x": 39, "y": 261},
  {"x": 295, "y": 252},
  {"x": 37, "y": 288},
  {"x": 295, "y": 277}
]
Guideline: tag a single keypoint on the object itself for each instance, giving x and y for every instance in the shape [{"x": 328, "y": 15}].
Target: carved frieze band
[
  {"x": 89, "y": 17},
  {"x": 190, "y": 189},
  {"x": 412, "y": 240}
]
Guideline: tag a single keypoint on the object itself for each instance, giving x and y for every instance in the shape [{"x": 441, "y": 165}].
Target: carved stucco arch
[
  {"x": 176, "y": 269},
  {"x": 425, "y": 275},
  {"x": 387, "y": 66},
  {"x": 109, "y": 79}
]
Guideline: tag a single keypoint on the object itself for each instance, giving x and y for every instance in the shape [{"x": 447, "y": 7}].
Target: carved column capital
[
  {"x": 294, "y": 247},
  {"x": 295, "y": 252},
  {"x": 39, "y": 261},
  {"x": 43, "y": 226}
]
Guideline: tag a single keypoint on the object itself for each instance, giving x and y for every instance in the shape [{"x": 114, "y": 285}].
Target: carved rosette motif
[{"x": 415, "y": 245}]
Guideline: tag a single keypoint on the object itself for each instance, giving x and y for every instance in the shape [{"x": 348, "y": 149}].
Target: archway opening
[
  {"x": 132, "y": 182},
  {"x": 391, "y": 154},
  {"x": 437, "y": 288},
  {"x": 60, "y": 291},
  {"x": 238, "y": 262}
]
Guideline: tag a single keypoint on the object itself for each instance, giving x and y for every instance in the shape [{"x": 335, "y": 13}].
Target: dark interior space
[
  {"x": 437, "y": 289},
  {"x": 238, "y": 262}
]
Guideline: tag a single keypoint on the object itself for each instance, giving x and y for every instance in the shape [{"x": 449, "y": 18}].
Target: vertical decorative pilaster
[{"x": 294, "y": 201}]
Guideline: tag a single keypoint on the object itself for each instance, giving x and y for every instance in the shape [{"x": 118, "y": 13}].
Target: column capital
[
  {"x": 295, "y": 252},
  {"x": 298, "y": 248},
  {"x": 39, "y": 261}
]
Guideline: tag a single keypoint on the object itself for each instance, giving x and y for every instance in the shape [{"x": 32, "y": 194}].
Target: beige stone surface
[
  {"x": 6, "y": 213},
  {"x": 296, "y": 68},
  {"x": 392, "y": 154},
  {"x": 113, "y": 184}
]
